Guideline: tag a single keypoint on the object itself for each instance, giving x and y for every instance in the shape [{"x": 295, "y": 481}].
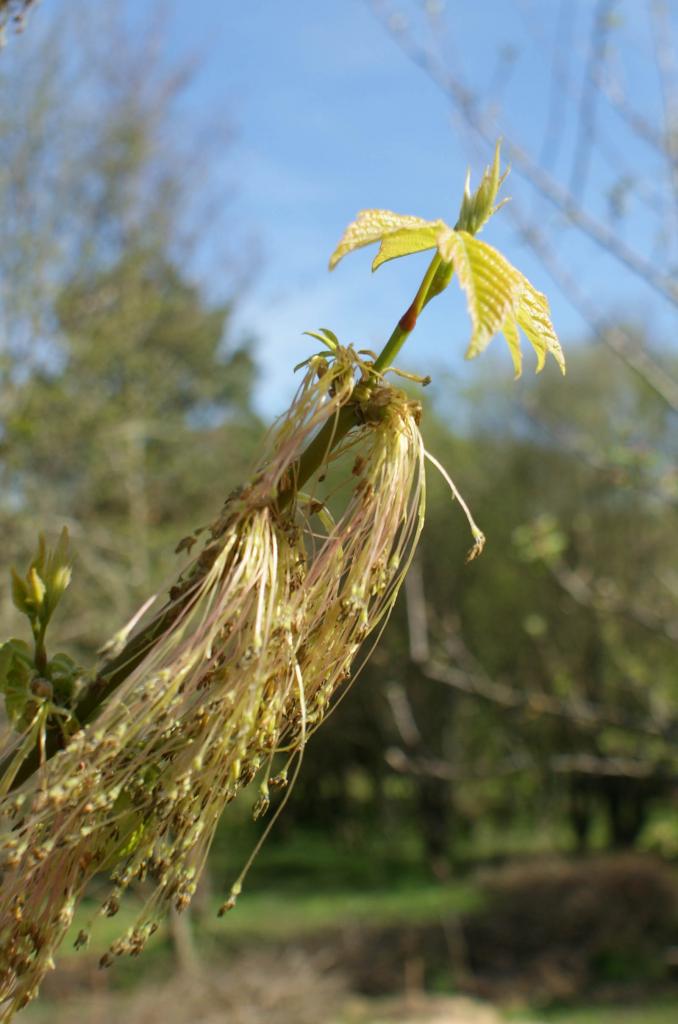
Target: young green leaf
[
  {"x": 36, "y": 589},
  {"x": 56, "y": 570},
  {"x": 326, "y": 336},
  {"x": 64, "y": 674},
  {"x": 500, "y": 298},
  {"x": 491, "y": 284},
  {"x": 19, "y": 592},
  {"x": 38, "y": 593},
  {"x": 15, "y": 675},
  {"x": 399, "y": 235},
  {"x": 533, "y": 317},
  {"x": 9, "y": 650},
  {"x": 407, "y": 241}
]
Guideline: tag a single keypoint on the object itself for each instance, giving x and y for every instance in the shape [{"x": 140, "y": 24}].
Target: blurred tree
[
  {"x": 124, "y": 408},
  {"x": 124, "y": 403},
  {"x": 560, "y": 646},
  {"x": 126, "y": 438},
  {"x": 568, "y": 622},
  {"x": 538, "y": 683}
]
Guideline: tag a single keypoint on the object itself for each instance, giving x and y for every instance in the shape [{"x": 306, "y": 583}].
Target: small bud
[
  {"x": 35, "y": 589},
  {"x": 42, "y": 688},
  {"x": 262, "y": 804},
  {"x": 19, "y": 592},
  {"x": 477, "y": 208},
  {"x": 225, "y": 907},
  {"x": 111, "y": 906},
  {"x": 280, "y": 779}
]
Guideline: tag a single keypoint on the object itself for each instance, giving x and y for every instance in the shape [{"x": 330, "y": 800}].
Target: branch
[
  {"x": 587, "y": 111},
  {"x": 472, "y": 680},
  {"x": 121, "y": 666},
  {"x": 561, "y": 198},
  {"x": 592, "y": 595},
  {"x": 559, "y": 764},
  {"x": 614, "y": 337},
  {"x": 666, "y": 66},
  {"x": 581, "y": 712}
]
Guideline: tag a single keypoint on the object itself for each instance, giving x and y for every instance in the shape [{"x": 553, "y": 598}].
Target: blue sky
[{"x": 330, "y": 116}]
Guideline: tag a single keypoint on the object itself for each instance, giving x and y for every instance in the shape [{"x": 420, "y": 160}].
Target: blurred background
[{"x": 486, "y": 827}]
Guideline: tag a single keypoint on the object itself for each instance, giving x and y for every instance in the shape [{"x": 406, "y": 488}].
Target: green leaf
[
  {"x": 500, "y": 298},
  {"x": 56, "y": 570},
  {"x": 330, "y": 336},
  {"x": 16, "y": 670},
  {"x": 6, "y": 658},
  {"x": 534, "y": 318},
  {"x": 35, "y": 589},
  {"x": 407, "y": 241},
  {"x": 327, "y": 337},
  {"x": 19, "y": 592},
  {"x": 38, "y": 561},
  {"x": 63, "y": 673},
  {"x": 399, "y": 235},
  {"x": 512, "y": 335},
  {"x": 12, "y": 649},
  {"x": 48, "y": 576},
  {"x": 491, "y": 284}
]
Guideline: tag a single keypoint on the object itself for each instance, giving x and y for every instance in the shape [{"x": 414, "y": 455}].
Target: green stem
[
  {"x": 408, "y": 320},
  {"x": 325, "y": 441},
  {"x": 336, "y": 430},
  {"x": 327, "y": 438},
  {"x": 40, "y": 651}
]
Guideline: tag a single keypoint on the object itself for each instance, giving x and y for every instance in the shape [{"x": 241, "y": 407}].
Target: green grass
[
  {"x": 388, "y": 1011},
  {"x": 262, "y": 915},
  {"x": 660, "y": 1012}
]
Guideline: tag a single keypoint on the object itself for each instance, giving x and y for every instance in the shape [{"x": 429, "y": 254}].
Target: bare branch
[
  {"x": 581, "y": 712},
  {"x": 417, "y": 620},
  {"x": 601, "y": 597},
  {"x": 668, "y": 80},
  {"x": 561, "y": 198},
  {"x": 403, "y": 716},
  {"x": 560, "y": 81},
  {"x": 559, "y": 764},
  {"x": 613, "y": 336},
  {"x": 586, "y": 134}
]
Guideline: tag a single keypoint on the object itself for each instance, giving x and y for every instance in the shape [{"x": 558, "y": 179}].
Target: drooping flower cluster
[
  {"x": 270, "y": 618},
  {"x": 262, "y": 629}
]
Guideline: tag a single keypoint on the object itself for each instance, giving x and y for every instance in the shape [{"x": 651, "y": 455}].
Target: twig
[
  {"x": 559, "y": 764},
  {"x": 586, "y": 133},
  {"x": 552, "y": 191}
]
